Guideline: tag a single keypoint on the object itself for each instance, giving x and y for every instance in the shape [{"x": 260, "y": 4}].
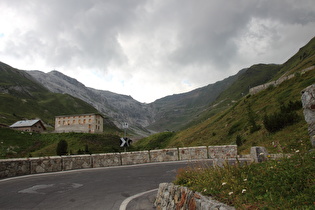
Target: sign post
[
  {"x": 125, "y": 127},
  {"x": 125, "y": 141}
]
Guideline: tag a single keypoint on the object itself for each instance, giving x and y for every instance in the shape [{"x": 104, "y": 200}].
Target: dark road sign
[{"x": 125, "y": 142}]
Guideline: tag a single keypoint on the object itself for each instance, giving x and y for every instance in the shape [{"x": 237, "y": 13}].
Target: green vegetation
[
  {"x": 156, "y": 141},
  {"x": 287, "y": 183},
  {"x": 17, "y": 144},
  {"x": 285, "y": 117}
]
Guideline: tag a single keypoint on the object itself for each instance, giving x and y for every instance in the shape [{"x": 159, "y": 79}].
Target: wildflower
[
  {"x": 245, "y": 180},
  {"x": 224, "y": 183},
  {"x": 205, "y": 190},
  {"x": 261, "y": 153},
  {"x": 230, "y": 193},
  {"x": 244, "y": 190},
  {"x": 297, "y": 151}
]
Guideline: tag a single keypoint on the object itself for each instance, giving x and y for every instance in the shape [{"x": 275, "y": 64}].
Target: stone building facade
[{"x": 81, "y": 123}]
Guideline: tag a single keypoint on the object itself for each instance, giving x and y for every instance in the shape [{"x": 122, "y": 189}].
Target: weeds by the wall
[{"x": 277, "y": 184}]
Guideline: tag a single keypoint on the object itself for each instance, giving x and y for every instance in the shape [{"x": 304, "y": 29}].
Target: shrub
[
  {"x": 239, "y": 140},
  {"x": 234, "y": 128},
  {"x": 252, "y": 117},
  {"x": 285, "y": 117},
  {"x": 62, "y": 147}
]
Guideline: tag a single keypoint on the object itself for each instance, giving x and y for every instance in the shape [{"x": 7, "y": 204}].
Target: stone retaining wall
[
  {"x": 172, "y": 196},
  {"x": 25, "y": 166},
  {"x": 262, "y": 87}
]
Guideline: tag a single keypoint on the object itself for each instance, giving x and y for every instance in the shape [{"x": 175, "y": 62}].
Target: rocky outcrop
[
  {"x": 308, "y": 102},
  {"x": 172, "y": 196}
]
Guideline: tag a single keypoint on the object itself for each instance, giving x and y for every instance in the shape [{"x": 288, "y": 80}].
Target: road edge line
[{"x": 124, "y": 204}]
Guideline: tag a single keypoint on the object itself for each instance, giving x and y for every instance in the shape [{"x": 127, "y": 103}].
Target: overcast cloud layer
[{"x": 151, "y": 48}]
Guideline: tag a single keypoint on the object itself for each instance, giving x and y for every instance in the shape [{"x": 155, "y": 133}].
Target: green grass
[
  {"x": 156, "y": 141},
  {"x": 16, "y": 144},
  {"x": 276, "y": 184}
]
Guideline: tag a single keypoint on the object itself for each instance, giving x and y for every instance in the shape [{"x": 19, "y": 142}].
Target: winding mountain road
[{"x": 97, "y": 188}]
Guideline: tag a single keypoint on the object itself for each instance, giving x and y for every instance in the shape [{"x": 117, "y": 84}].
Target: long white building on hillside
[{"x": 81, "y": 123}]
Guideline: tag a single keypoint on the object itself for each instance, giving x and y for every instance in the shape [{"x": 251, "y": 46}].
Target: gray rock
[{"x": 308, "y": 102}]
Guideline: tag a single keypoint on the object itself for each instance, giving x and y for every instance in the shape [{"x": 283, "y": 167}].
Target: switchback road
[{"x": 97, "y": 188}]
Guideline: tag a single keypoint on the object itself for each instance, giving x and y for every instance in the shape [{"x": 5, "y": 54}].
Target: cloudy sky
[{"x": 151, "y": 48}]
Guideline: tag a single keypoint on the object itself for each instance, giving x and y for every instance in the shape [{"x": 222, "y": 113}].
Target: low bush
[
  {"x": 285, "y": 117},
  {"x": 62, "y": 147}
]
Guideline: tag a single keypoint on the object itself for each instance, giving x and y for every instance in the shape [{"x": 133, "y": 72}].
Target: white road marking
[
  {"x": 124, "y": 204},
  {"x": 33, "y": 190}
]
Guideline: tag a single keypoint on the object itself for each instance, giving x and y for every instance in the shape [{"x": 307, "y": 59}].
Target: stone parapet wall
[
  {"x": 164, "y": 155},
  {"x": 14, "y": 167},
  {"x": 131, "y": 158},
  {"x": 172, "y": 196},
  {"x": 221, "y": 152},
  {"x": 218, "y": 154},
  {"x": 45, "y": 164},
  {"x": 76, "y": 162},
  {"x": 193, "y": 153},
  {"x": 106, "y": 160}
]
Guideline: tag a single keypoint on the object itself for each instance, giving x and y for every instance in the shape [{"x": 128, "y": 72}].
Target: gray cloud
[{"x": 169, "y": 45}]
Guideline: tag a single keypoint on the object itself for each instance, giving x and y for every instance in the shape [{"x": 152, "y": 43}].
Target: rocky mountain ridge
[
  {"x": 167, "y": 113},
  {"x": 119, "y": 108}
]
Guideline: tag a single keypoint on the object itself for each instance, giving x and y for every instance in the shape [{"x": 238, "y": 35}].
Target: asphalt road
[{"x": 98, "y": 188}]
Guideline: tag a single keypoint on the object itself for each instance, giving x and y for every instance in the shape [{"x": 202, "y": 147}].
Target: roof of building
[
  {"x": 24, "y": 123},
  {"x": 80, "y": 115}
]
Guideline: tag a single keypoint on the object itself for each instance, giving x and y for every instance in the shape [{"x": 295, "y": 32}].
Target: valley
[{"x": 220, "y": 113}]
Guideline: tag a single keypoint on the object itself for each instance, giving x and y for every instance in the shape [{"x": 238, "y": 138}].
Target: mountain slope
[
  {"x": 119, "y": 108},
  {"x": 22, "y": 97},
  {"x": 242, "y": 122},
  {"x": 173, "y": 112}
]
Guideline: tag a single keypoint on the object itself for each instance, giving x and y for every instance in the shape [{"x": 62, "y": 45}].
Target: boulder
[{"x": 308, "y": 102}]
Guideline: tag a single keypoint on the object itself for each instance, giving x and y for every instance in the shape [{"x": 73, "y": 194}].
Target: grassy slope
[
  {"x": 251, "y": 77},
  {"x": 218, "y": 129}
]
